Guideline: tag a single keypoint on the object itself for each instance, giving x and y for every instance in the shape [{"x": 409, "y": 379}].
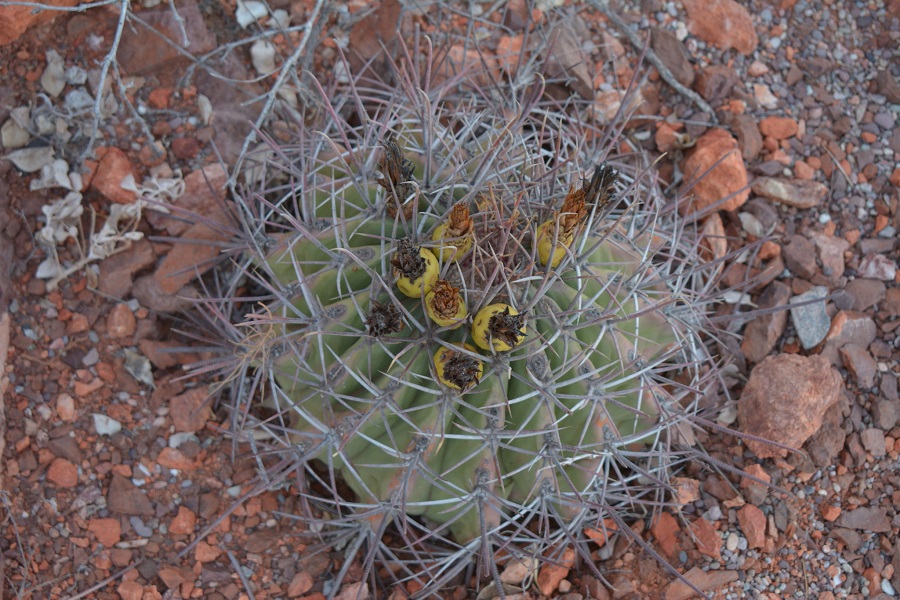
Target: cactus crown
[{"x": 466, "y": 339}]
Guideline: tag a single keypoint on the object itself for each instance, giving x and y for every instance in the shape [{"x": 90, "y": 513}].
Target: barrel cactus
[{"x": 473, "y": 330}]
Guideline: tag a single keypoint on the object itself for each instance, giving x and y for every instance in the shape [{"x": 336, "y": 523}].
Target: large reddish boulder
[{"x": 727, "y": 179}]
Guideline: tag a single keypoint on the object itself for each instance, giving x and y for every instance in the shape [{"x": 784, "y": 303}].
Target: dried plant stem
[{"x": 108, "y": 61}]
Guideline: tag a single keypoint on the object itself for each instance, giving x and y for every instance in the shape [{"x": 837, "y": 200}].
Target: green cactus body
[{"x": 537, "y": 439}]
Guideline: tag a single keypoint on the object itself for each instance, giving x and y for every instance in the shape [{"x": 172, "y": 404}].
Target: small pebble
[
  {"x": 731, "y": 543},
  {"x": 105, "y": 425}
]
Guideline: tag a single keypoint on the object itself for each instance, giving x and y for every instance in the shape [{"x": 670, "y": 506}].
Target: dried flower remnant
[
  {"x": 455, "y": 234},
  {"x": 384, "y": 319},
  {"x": 600, "y": 191},
  {"x": 498, "y": 326},
  {"x": 444, "y": 304},
  {"x": 395, "y": 175},
  {"x": 458, "y": 370},
  {"x": 416, "y": 268}
]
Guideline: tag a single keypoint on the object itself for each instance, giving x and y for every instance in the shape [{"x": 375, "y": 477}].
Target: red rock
[
  {"x": 803, "y": 171},
  {"x": 15, "y": 20},
  {"x": 665, "y": 529},
  {"x": 204, "y": 194},
  {"x": 723, "y": 23},
  {"x": 830, "y": 512},
  {"x": 190, "y": 410},
  {"x": 552, "y": 573},
  {"x": 172, "y": 458},
  {"x": 715, "y": 82},
  {"x": 78, "y": 324},
  {"x": 800, "y": 256},
  {"x": 686, "y": 490},
  {"x": 728, "y": 179},
  {"x": 673, "y": 54},
  {"x": 114, "y": 172},
  {"x": 84, "y": 389},
  {"x": 185, "y": 148},
  {"x": 123, "y": 497},
  {"x": 117, "y": 271},
  {"x": 754, "y": 488},
  {"x": 665, "y": 137},
  {"x": 708, "y": 540},
  {"x": 155, "y": 351},
  {"x": 791, "y": 192},
  {"x": 785, "y": 400},
  {"x": 120, "y": 322},
  {"x": 752, "y": 522},
  {"x": 762, "y": 333},
  {"x": 173, "y": 576},
  {"x": 159, "y": 97},
  {"x": 860, "y": 364},
  {"x": 895, "y": 177},
  {"x": 749, "y": 140},
  {"x": 831, "y": 252},
  {"x": 130, "y": 590},
  {"x": 565, "y": 60},
  {"x": 873, "y": 441},
  {"x": 867, "y": 518},
  {"x": 65, "y": 408},
  {"x": 184, "y": 522},
  {"x": 300, "y": 584},
  {"x": 188, "y": 260},
  {"x": 142, "y": 50},
  {"x": 705, "y": 581},
  {"x": 107, "y": 531},
  {"x": 779, "y": 128},
  {"x": 206, "y": 553},
  {"x": 354, "y": 591},
  {"x": 848, "y": 327},
  {"x": 62, "y": 473}
]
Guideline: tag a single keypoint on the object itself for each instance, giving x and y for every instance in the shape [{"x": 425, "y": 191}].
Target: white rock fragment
[
  {"x": 45, "y": 125},
  {"x": 53, "y": 80},
  {"x": 752, "y": 225},
  {"x": 61, "y": 131},
  {"x": 262, "y": 54},
  {"x": 61, "y": 219},
  {"x": 764, "y": 96},
  {"x": 288, "y": 94},
  {"x": 106, "y": 425},
  {"x": 12, "y": 135},
  {"x": 205, "y": 108},
  {"x": 75, "y": 75},
  {"x": 78, "y": 100},
  {"x": 138, "y": 366},
  {"x": 31, "y": 160},
  {"x": 249, "y": 12},
  {"x": 177, "y": 439},
  {"x": 877, "y": 266},
  {"x": 281, "y": 18}
]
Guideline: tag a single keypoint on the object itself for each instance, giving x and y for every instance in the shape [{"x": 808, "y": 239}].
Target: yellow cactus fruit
[
  {"x": 444, "y": 305},
  {"x": 416, "y": 269},
  {"x": 561, "y": 229},
  {"x": 458, "y": 370},
  {"x": 455, "y": 234},
  {"x": 499, "y": 326}
]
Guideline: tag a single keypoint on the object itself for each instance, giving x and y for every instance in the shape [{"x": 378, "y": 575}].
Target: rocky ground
[{"x": 117, "y": 478}]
